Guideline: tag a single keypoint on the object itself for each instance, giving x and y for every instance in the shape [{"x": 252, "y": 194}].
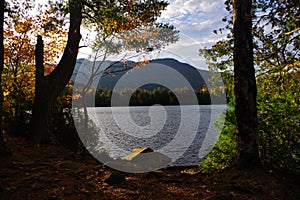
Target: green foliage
[
  {"x": 109, "y": 17},
  {"x": 279, "y": 122},
  {"x": 224, "y": 152},
  {"x": 278, "y": 114},
  {"x": 123, "y": 24},
  {"x": 276, "y": 56}
]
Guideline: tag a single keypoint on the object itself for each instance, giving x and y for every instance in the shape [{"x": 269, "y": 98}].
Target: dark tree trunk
[
  {"x": 245, "y": 85},
  {"x": 43, "y": 102},
  {"x": 3, "y": 149},
  {"x": 49, "y": 87}
]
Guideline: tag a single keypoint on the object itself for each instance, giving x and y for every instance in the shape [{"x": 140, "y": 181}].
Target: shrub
[
  {"x": 225, "y": 150},
  {"x": 279, "y": 123}
]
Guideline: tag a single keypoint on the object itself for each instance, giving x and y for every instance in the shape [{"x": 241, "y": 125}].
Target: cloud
[
  {"x": 191, "y": 15},
  {"x": 179, "y": 10},
  {"x": 196, "y": 20}
]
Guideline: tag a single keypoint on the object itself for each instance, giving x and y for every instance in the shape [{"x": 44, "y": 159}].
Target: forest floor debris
[{"x": 51, "y": 172}]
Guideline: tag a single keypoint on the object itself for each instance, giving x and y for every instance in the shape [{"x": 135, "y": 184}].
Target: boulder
[
  {"x": 136, "y": 152},
  {"x": 148, "y": 159}
]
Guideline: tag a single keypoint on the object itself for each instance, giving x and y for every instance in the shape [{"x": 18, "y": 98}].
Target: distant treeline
[{"x": 162, "y": 96}]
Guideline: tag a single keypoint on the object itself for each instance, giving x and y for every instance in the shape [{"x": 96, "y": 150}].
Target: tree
[
  {"x": 276, "y": 35},
  {"x": 245, "y": 84},
  {"x": 19, "y": 71},
  {"x": 3, "y": 149},
  {"x": 275, "y": 32},
  {"x": 277, "y": 46},
  {"x": 47, "y": 88},
  {"x": 110, "y": 17}
]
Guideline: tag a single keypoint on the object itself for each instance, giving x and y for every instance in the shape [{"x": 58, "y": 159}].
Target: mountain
[{"x": 167, "y": 72}]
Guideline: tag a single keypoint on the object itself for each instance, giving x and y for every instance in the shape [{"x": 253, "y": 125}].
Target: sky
[{"x": 196, "y": 20}]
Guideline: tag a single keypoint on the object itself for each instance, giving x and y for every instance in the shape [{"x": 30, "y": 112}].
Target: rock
[
  {"x": 136, "y": 152},
  {"x": 147, "y": 159},
  {"x": 140, "y": 160},
  {"x": 153, "y": 160}
]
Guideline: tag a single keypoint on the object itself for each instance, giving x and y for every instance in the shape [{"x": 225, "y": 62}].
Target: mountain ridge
[{"x": 169, "y": 71}]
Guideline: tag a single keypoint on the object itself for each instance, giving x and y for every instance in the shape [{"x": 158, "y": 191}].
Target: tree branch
[{"x": 293, "y": 31}]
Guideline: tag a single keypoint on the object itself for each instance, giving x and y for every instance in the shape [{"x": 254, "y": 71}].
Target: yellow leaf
[{"x": 6, "y": 93}]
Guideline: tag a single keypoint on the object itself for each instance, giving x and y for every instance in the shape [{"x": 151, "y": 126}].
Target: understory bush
[
  {"x": 279, "y": 123},
  {"x": 225, "y": 150},
  {"x": 278, "y": 105},
  {"x": 67, "y": 128}
]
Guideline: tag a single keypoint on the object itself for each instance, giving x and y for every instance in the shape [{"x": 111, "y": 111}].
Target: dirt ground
[{"x": 51, "y": 172}]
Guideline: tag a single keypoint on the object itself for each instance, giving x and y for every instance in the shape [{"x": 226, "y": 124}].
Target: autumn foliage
[{"x": 19, "y": 61}]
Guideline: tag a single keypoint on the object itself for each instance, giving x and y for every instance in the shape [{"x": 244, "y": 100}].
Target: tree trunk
[
  {"x": 3, "y": 150},
  {"x": 49, "y": 87},
  {"x": 43, "y": 102},
  {"x": 245, "y": 85},
  {"x": 42, "y": 120}
]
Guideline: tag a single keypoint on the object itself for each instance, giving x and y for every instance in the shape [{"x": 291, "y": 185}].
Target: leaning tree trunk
[
  {"x": 49, "y": 87},
  {"x": 245, "y": 85}
]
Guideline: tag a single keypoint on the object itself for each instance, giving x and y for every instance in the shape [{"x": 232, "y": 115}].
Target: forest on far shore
[{"x": 161, "y": 96}]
